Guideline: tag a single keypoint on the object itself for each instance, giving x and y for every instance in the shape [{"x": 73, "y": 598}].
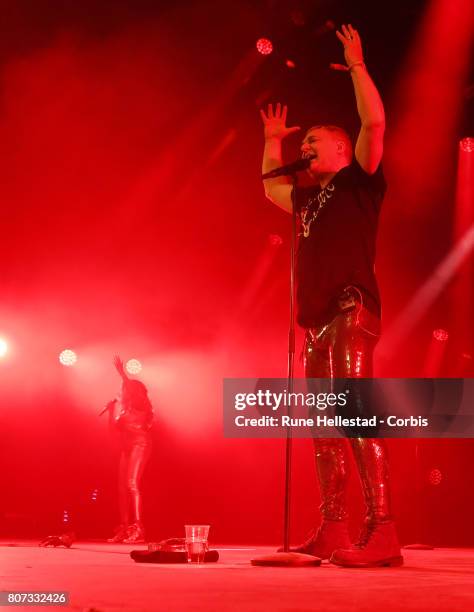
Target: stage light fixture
[
  {"x": 290, "y": 63},
  {"x": 264, "y": 46},
  {"x": 435, "y": 476},
  {"x": 440, "y": 334},
  {"x": 133, "y": 366},
  {"x": 3, "y": 347},
  {"x": 67, "y": 358},
  {"x": 275, "y": 240},
  {"x": 327, "y": 26},
  {"x": 298, "y": 17},
  {"x": 467, "y": 144}
]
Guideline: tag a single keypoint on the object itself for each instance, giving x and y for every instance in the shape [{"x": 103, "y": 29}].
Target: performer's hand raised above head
[
  {"x": 274, "y": 123},
  {"x": 118, "y": 363},
  {"x": 275, "y": 130},
  {"x": 352, "y": 47}
]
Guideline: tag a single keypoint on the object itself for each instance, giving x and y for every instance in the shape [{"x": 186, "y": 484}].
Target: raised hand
[
  {"x": 118, "y": 363},
  {"x": 352, "y": 47},
  {"x": 274, "y": 123}
]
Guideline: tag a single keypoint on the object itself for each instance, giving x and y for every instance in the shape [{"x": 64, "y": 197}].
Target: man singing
[{"x": 338, "y": 299}]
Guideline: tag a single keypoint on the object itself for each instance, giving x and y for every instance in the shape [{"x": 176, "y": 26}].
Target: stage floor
[{"x": 102, "y": 577}]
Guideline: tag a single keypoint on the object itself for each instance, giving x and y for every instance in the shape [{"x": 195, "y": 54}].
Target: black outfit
[
  {"x": 337, "y": 242},
  {"x": 339, "y": 305},
  {"x": 134, "y": 423}
]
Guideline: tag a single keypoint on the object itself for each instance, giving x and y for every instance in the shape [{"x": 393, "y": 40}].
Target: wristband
[{"x": 359, "y": 63}]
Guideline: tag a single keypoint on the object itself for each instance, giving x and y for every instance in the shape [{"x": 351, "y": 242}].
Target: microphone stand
[
  {"x": 287, "y": 558},
  {"x": 418, "y": 544}
]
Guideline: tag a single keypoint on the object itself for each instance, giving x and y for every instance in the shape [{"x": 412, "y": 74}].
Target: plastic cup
[{"x": 196, "y": 542}]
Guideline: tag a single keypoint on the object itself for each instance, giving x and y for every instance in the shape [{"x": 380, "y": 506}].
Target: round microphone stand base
[{"x": 286, "y": 559}]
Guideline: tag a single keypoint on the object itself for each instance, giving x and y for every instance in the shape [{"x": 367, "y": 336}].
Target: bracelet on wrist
[{"x": 359, "y": 63}]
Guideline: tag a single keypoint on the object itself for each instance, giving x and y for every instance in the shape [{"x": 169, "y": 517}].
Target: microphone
[
  {"x": 301, "y": 164},
  {"x": 108, "y": 406}
]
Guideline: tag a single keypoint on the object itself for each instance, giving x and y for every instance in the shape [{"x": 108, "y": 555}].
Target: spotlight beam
[
  {"x": 426, "y": 295},
  {"x": 3, "y": 347}
]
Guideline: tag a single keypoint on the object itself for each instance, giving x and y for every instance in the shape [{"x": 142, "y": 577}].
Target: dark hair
[
  {"x": 137, "y": 395},
  {"x": 137, "y": 387}
]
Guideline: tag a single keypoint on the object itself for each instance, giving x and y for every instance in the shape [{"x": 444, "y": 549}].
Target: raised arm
[
  {"x": 118, "y": 363},
  {"x": 369, "y": 146},
  {"x": 278, "y": 190}
]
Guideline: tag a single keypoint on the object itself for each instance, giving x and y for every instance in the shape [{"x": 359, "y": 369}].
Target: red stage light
[
  {"x": 467, "y": 144},
  {"x": 133, "y": 366},
  {"x": 67, "y": 357},
  {"x": 264, "y": 46},
  {"x": 435, "y": 477},
  {"x": 327, "y": 26},
  {"x": 275, "y": 240},
  {"x": 297, "y": 17},
  {"x": 290, "y": 63},
  {"x": 3, "y": 347},
  {"x": 440, "y": 334}
]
